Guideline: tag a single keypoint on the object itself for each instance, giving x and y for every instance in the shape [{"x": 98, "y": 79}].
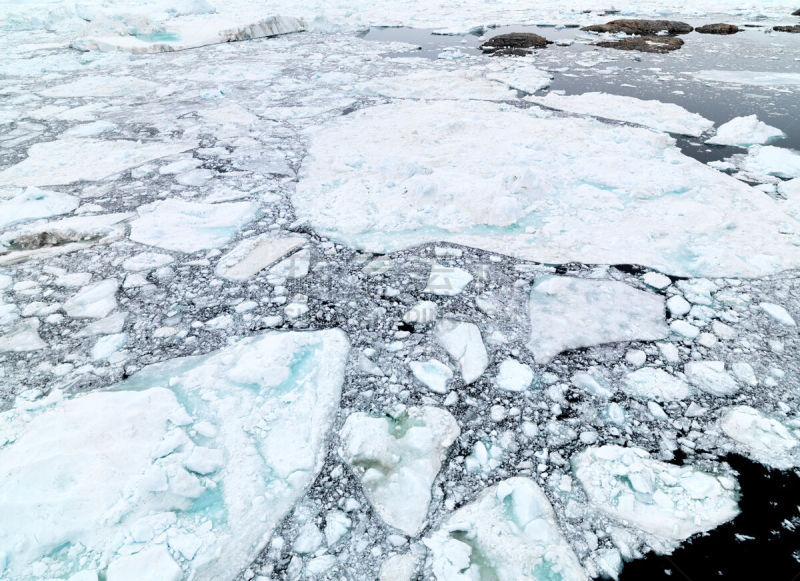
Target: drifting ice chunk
[
  {"x": 464, "y": 343},
  {"x": 446, "y": 281},
  {"x": 188, "y": 450},
  {"x": 434, "y": 374},
  {"x": 423, "y": 312},
  {"x": 524, "y": 78},
  {"x": 193, "y": 32},
  {"x": 745, "y": 132},
  {"x": 35, "y": 203},
  {"x": 190, "y": 226},
  {"x": 509, "y": 533},
  {"x": 25, "y": 337},
  {"x": 665, "y": 500},
  {"x": 760, "y": 79},
  {"x": 554, "y": 190},
  {"x": 571, "y": 313},
  {"x": 398, "y": 568},
  {"x": 514, "y": 376},
  {"x": 70, "y": 160},
  {"x": 397, "y": 460},
  {"x": 764, "y": 163},
  {"x": 765, "y": 439},
  {"x": 711, "y": 377},
  {"x": 655, "y": 384},
  {"x": 147, "y": 261},
  {"x": 656, "y": 115},
  {"x": 778, "y": 313},
  {"x": 94, "y": 301},
  {"x": 251, "y": 256}
]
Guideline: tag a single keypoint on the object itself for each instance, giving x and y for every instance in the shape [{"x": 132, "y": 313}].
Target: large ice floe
[
  {"x": 571, "y": 313},
  {"x": 756, "y": 78},
  {"x": 397, "y": 459},
  {"x": 523, "y": 183},
  {"x": 182, "y": 471},
  {"x": 509, "y": 533},
  {"x": 763, "y": 438},
  {"x": 656, "y": 115},
  {"x": 745, "y": 132},
  {"x": 668, "y": 501}
]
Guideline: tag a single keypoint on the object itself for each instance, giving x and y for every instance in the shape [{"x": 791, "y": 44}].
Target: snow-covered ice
[
  {"x": 779, "y": 314},
  {"x": 464, "y": 343},
  {"x": 745, "y": 132},
  {"x": 94, "y": 301},
  {"x": 252, "y": 255},
  {"x": 447, "y": 281},
  {"x": 33, "y": 204},
  {"x": 764, "y": 163},
  {"x": 22, "y": 338},
  {"x": 756, "y": 78},
  {"x": 665, "y": 500},
  {"x": 711, "y": 377},
  {"x": 182, "y": 471},
  {"x": 513, "y": 375},
  {"x": 656, "y": 384},
  {"x": 571, "y": 313},
  {"x": 190, "y": 226},
  {"x": 764, "y": 438},
  {"x": 397, "y": 459},
  {"x": 549, "y": 189},
  {"x": 656, "y": 115},
  {"x": 433, "y": 374},
  {"x": 508, "y": 533}
]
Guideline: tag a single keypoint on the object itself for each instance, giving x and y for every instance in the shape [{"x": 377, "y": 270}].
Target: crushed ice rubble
[{"x": 226, "y": 354}]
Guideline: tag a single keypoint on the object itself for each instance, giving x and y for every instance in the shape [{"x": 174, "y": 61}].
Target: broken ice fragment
[
  {"x": 711, "y": 377},
  {"x": 763, "y": 438},
  {"x": 33, "y": 204},
  {"x": 215, "y": 448},
  {"x": 423, "y": 312},
  {"x": 464, "y": 343},
  {"x": 778, "y": 313},
  {"x": 434, "y": 374},
  {"x": 508, "y": 533},
  {"x": 190, "y": 226},
  {"x": 446, "y": 281},
  {"x": 24, "y": 337},
  {"x": 571, "y": 313},
  {"x": 513, "y": 376},
  {"x": 252, "y": 255},
  {"x": 397, "y": 460},
  {"x": 656, "y": 384},
  {"x": 665, "y": 500},
  {"x": 94, "y": 301},
  {"x": 745, "y": 132}
]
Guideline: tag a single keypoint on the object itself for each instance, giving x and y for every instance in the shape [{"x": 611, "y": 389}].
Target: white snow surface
[
  {"x": 665, "y": 500},
  {"x": 571, "y": 313},
  {"x": 756, "y": 78},
  {"x": 654, "y": 384},
  {"x": 554, "y": 190},
  {"x": 764, "y": 438},
  {"x": 189, "y": 462},
  {"x": 397, "y": 459},
  {"x": 656, "y": 115},
  {"x": 252, "y": 255},
  {"x": 447, "y": 281},
  {"x": 34, "y": 203},
  {"x": 464, "y": 343},
  {"x": 508, "y": 533},
  {"x": 745, "y": 132},
  {"x": 764, "y": 163}
]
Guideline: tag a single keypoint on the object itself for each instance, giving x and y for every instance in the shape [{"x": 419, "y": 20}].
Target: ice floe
[
  {"x": 190, "y": 226},
  {"x": 433, "y": 374},
  {"x": 745, "y": 132},
  {"x": 438, "y": 84},
  {"x": 764, "y": 163},
  {"x": 711, "y": 377},
  {"x": 22, "y": 338},
  {"x": 779, "y": 314},
  {"x": 447, "y": 281},
  {"x": 464, "y": 343},
  {"x": 763, "y": 438},
  {"x": 70, "y": 160},
  {"x": 94, "y": 301},
  {"x": 34, "y": 203},
  {"x": 100, "y": 86},
  {"x": 253, "y": 255},
  {"x": 571, "y": 313},
  {"x": 757, "y": 78},
  {"x": 397, "y": 459},
  {"x": 508, "y": 533},
  {"x": 665, "y": 500},
  {"x": 513, "y": 375},
  {"x": 398, "y": 175},
  {"x": 655, "y": 384},
  {"x": 656, "y": 115},
  {"x": 182, "y": 471}
]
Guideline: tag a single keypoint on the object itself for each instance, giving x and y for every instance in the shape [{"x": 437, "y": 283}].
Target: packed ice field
[{"x": 279, "y": 301}]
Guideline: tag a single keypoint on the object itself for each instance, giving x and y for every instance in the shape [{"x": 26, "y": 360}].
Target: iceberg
[
  {"x": 70, "y": 160},
  {"x": 553, "y": 190},
  {"x": 508, "y": 533},
  {"x": 745, "y": 132},
  {"x": 572, "y": 313},
  {"x": 190, "y": 226},
  {"x": 180, "y": 472},
  {"x": 463, "y": 342},
  {"x": 666, "y": 117},
  {"x": 763, "y": 438},
  {"x": 397, "y": 459},
  {"x": 667, "y": 501}
]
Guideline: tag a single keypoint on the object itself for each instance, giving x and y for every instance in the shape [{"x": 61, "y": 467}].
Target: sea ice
[
  {"x": 711, "y": 377},
  {"x": 70, "y": 160},
  {"x": 190, "y": 226},
  {"x": 182, "y": 471},
  {"x": 571, "y": 313},
  {"x": 656, "y": 115},
  {"x": 252, "y": 255},
  {"x": 745, "y": 132},
  {"x": 147, "y": 261},
  {"x": 395, "y": 176},
  {"x": 464, "y": 343},
  {"x": 100, "y": 86},
  {"x": 437, "y": 84},
  {"x": 423, "y": 312},
  {"x": 94, "y": 301},
  {"x": 779, "y": 314},
  {"x": 508, "y": 533},
  {"x": 22, "y": 338},
  {"x": 447, "y": 281},
  {"x": 433, "y": 374},
  {"x": 764, "y": 163},
  {"x": 397, "y": 459},
  {"x": 665, "y": 500},
  {"x": 756, "y": 78},
  {"x": 523, "y": 78},
  {"x": 513, "y": 376},
  {"x": 656, "y": 384},
  {"x": 34, "y": 203},
  {"x": 764, "y": 438}
]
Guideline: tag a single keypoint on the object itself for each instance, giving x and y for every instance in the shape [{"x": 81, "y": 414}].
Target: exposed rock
[
  {"x": 643, "y": 27},
  {"x": 514, "y": 44},
  {"x": 657, "y": 44},
  {"x": 795, "y": 28},
  {"x": 796, "y": 12},
  {"x": 718, "y": 29}
]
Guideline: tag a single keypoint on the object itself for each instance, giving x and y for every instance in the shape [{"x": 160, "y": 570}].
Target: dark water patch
[{"x": 763, "y": 542}]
